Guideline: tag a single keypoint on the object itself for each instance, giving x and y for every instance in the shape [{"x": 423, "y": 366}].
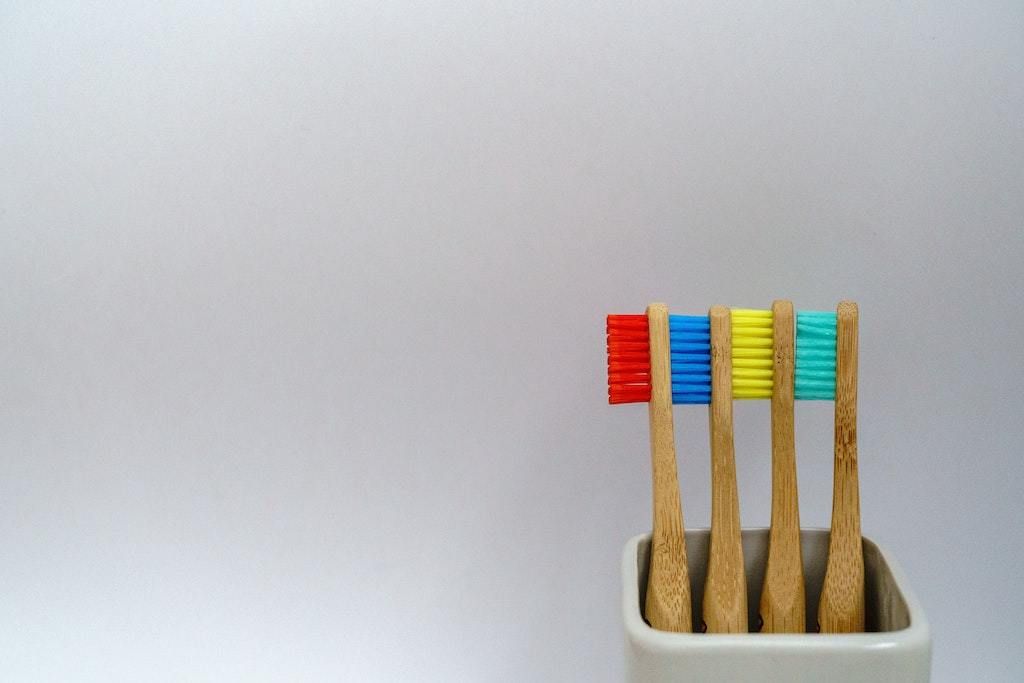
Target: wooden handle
[
  {"x": 783, "y": 604},
  {"x": 842, "y": 597},
  {"x": 668, "y": 586},
  {"x": 725, "y": 591}
]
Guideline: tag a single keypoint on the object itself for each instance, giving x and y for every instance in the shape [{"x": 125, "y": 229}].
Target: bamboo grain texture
[
  {"x": 667, "y": 606},
  {"x": 841, "y": 609},
  {"x": 783, "y": 606},
  {"x": 725, "y": 590}
]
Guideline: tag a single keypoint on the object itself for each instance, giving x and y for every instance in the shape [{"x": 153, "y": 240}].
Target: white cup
[{"x": 897, "y": 646}]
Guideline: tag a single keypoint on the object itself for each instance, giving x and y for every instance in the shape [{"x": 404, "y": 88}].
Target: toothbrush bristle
[
  {"x": 753, "y": 355},
  {"x": 629, "y": 360},
  {"x": 690, "y": 344},
  {"x": 815, "y": 368}
]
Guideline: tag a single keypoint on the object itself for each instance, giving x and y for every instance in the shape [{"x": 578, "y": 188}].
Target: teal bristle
[{"x": 815, "y": 373}]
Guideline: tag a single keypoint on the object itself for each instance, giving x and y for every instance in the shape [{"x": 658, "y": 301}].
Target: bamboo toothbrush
[
  {"x": 639, "y": 369},
  {"x": 783, "y": 605},
  {"x": 842, "y": 596},
  {"x": 725, "y": 590}
]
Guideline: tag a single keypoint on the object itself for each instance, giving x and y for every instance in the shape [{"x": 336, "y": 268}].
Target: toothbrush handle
[
  {"x": 725, "y": 589},
  {"x": 667, "y": 606},
  {"x": 842, "y": 596},
  {"x": 783, "y": 606}
]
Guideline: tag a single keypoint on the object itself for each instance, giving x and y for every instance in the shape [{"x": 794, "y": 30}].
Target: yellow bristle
[{"x": 752, "y": 353}]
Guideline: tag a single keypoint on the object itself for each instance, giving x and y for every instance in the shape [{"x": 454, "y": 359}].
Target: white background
[{"x": 302, "y": 367}]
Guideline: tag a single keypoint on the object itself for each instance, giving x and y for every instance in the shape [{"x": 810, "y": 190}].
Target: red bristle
[
  {"x": 618, "y": 395},
  {"x": 628, "y": 322},
  {"x": 629, "y": 361},
  {"x": 629, "y": 367},
  {"x": 637, "y": 347}
]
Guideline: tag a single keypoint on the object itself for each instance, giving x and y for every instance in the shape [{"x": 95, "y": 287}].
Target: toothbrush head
[
  {"x": 690, "y": 345},
  {"x": 753, "y": 354},
  {"x": 815, "y": 371},
  {"x": 629, "y": 360}
]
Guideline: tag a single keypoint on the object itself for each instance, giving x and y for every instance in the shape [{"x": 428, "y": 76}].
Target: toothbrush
[
  {"x": 841, "y": 609},
  {"x": 783, "y": 606},
  {"x": 639, "y": 370},
  {"x": 725, "y": 590}
]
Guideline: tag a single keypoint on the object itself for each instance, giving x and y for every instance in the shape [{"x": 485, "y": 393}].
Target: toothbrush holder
[{"x": 895, "y": 647}]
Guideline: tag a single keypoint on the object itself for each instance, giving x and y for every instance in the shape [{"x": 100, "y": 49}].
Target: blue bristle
[{"x": 690, "y": 345}]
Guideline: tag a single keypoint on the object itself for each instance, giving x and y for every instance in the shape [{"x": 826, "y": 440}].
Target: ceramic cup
[{"x": 897, "y": 646}]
